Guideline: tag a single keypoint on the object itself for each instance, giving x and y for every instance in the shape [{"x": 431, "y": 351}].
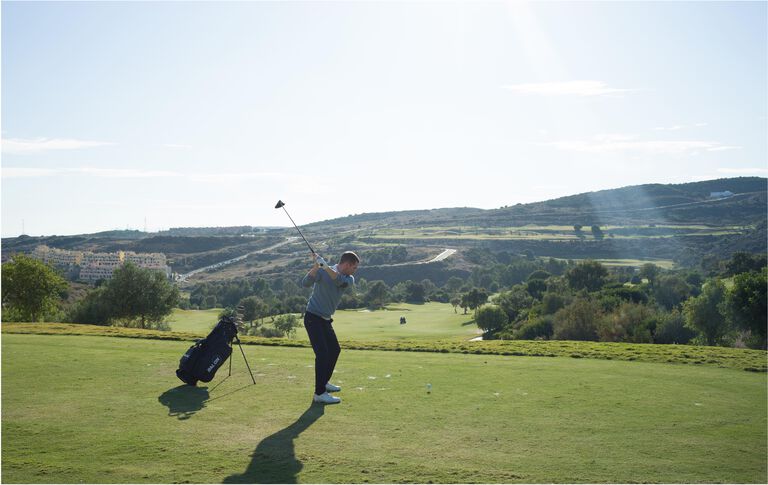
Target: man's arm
[
  {"x": 311, "y": 276},
  {"x": 319, "y": 261}
]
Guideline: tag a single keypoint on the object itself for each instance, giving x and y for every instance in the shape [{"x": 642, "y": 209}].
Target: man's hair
[{"x": 349, "y": 257}]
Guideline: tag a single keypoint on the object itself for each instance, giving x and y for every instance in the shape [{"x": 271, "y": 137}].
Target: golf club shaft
[{"x": 297, "y": 228}]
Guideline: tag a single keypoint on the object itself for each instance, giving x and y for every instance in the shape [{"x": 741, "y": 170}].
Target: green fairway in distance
[
  {"x": 426, "y": 321},
  {"x": 101, "y": 409},
  {"x": 194, "y": 321}
]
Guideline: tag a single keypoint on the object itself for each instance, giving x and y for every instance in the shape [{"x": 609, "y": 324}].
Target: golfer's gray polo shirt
[{"x": 326, "y": 293}]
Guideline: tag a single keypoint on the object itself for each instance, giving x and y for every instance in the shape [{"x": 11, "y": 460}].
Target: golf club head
[{"x": 279, "y": 204}]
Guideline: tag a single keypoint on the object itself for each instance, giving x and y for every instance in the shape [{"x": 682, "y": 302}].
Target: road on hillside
[
  {"x": 445, "y": 254},
  {"x": 183, "y": 277}
]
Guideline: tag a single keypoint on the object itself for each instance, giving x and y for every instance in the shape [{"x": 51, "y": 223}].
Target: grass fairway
[
  {"x": 428, "y": 321},
  {"x": 103, "y": 409},
  {"x": 194, "y": 321}
]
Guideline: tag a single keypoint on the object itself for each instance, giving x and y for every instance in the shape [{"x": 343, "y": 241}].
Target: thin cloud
[
  {"x": 235, "y": 177},
  {"x": 32, "y": 172},
  {"x": 178, "y": 146},
  {"x": 567, "y": 88},
  {"x": 629, "y": 143},
  {"x": 742, "y": 170},
  {"x": 24, "y": 172},
  {"x": 679, "y": 127},
  {"x": 36, "y": 145},
  {"x": 123, "y": 172}
]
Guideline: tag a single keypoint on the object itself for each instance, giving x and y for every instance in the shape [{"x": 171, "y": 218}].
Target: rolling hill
[{"x": 676, "y": 223}]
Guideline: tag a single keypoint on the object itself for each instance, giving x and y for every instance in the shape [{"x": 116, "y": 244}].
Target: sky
[{"x": 149, "y": 115}]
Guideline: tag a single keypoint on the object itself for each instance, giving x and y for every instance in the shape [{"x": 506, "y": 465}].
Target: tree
[
  {"x": 671, "y": 290},
  {"x": 453, "y": 284},
  {"x": 577, "y": 321},
  {"x": 589, "y": 275},
  {"x": 742, "y": 262},
  {"x": 490, "y": 318},
  {"x": 650, "y": 272},
  {"x": 597, "y": 233},
  {"x": 538, "y": 275},
  {"x": 473, "y": 299},
  {"x": 702, "y": 313},
  {"x": 745, "y": 304},
  {"x": 429, "y": 287},
  {"x": 629, "y": 322},
  {"x": 92, "y": 310},
  {"x": 253, "y": 308},
  {"x": 414, "y": 292},
  {"x": 552, "y": 302},
  {"x": 455, "y": 302},
  {"x": 536, "y": 288},
  {"x": 141, "y": 295},
  {"x": 378, "y": 294},
  {"x": 286, "y": 324},
  {"x": 672, "y": 330},
  {"x": 514, "y": 302},
  {"x": 30, "y": 288}
]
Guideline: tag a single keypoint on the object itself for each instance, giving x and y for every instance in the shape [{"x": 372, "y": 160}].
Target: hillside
[{"x": 672, "y": 223}]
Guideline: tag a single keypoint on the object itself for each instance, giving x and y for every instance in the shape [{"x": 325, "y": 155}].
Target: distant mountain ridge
[
  {"x": 649, "y": 203},
  {"x": 680, "y": 222}
]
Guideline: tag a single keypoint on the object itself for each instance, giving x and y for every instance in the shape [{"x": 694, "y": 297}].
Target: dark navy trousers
[{"x": 326, "y": 347}]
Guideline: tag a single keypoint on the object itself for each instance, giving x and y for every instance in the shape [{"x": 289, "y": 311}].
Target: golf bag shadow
[{"x": 201, "y": 361}]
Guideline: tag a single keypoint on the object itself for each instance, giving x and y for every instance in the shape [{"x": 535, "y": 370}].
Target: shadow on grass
[
  {"x": 274, "y": 459},
  {"x": 184, "y": 401}
]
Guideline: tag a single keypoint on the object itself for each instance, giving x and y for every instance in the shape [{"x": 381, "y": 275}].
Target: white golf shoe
[
  {"x": 326, "y": 398},
  {"x": 332, "y": 388}
]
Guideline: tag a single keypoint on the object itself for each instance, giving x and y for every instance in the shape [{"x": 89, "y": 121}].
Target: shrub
[
  {"x": 552, "y": 302},
  {"x": 577, "y": 321},
  {"x": 540, "y": 327},
  {"x": 286, "y": 324},
  {"x": 266, "y": 332},
  {"x": 630, "y": 322},
  {"x": 672, "y": 330},
  {"x": 514, "y": 302},
  {"x": 490, "y": 318}
]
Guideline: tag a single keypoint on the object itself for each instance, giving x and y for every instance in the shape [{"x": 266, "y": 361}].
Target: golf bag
[{"x": 204, "y": 358}]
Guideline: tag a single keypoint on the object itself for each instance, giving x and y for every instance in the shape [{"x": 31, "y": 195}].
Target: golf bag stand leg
[
  {"x": 230, "y": 361},
  {"x": 246, "y": 360}
]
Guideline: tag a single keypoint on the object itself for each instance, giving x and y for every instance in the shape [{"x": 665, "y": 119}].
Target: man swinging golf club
[{"x": 328, "y": 283}]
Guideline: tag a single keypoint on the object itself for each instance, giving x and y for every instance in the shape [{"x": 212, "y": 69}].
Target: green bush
[
  {"x": 672, "y": 330},
  {"x": 539, "y": 328},
  {"x": 577, "y": 321},
  {"x": 490, "y": 318},
  {"x": 93, "y": 309},
  {"x": 630, "y": 322}
]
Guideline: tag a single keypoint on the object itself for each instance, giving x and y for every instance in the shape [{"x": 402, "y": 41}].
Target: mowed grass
[
  {"x": 103, "y": 409},
  {"x": 428, "y": 321},
  {"x": 194, "y": 321}
]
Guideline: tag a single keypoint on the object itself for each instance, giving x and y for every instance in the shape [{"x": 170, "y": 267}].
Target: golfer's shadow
[
  {"x": 274, "y": 459},
  {"x": 184, "y": 401}
]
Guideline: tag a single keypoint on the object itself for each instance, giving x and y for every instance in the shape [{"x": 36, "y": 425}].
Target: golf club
[{"x": 280, "y": 204}]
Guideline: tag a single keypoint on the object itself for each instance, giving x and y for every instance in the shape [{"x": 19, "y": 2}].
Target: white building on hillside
[{"x": 100, "y": 266}]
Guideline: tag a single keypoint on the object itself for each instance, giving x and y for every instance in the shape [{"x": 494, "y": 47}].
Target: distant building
[
  {"x": 57, "y": 257},
  {"x": 100, "y": 266},
  {"x": 721, "y": 195}
]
